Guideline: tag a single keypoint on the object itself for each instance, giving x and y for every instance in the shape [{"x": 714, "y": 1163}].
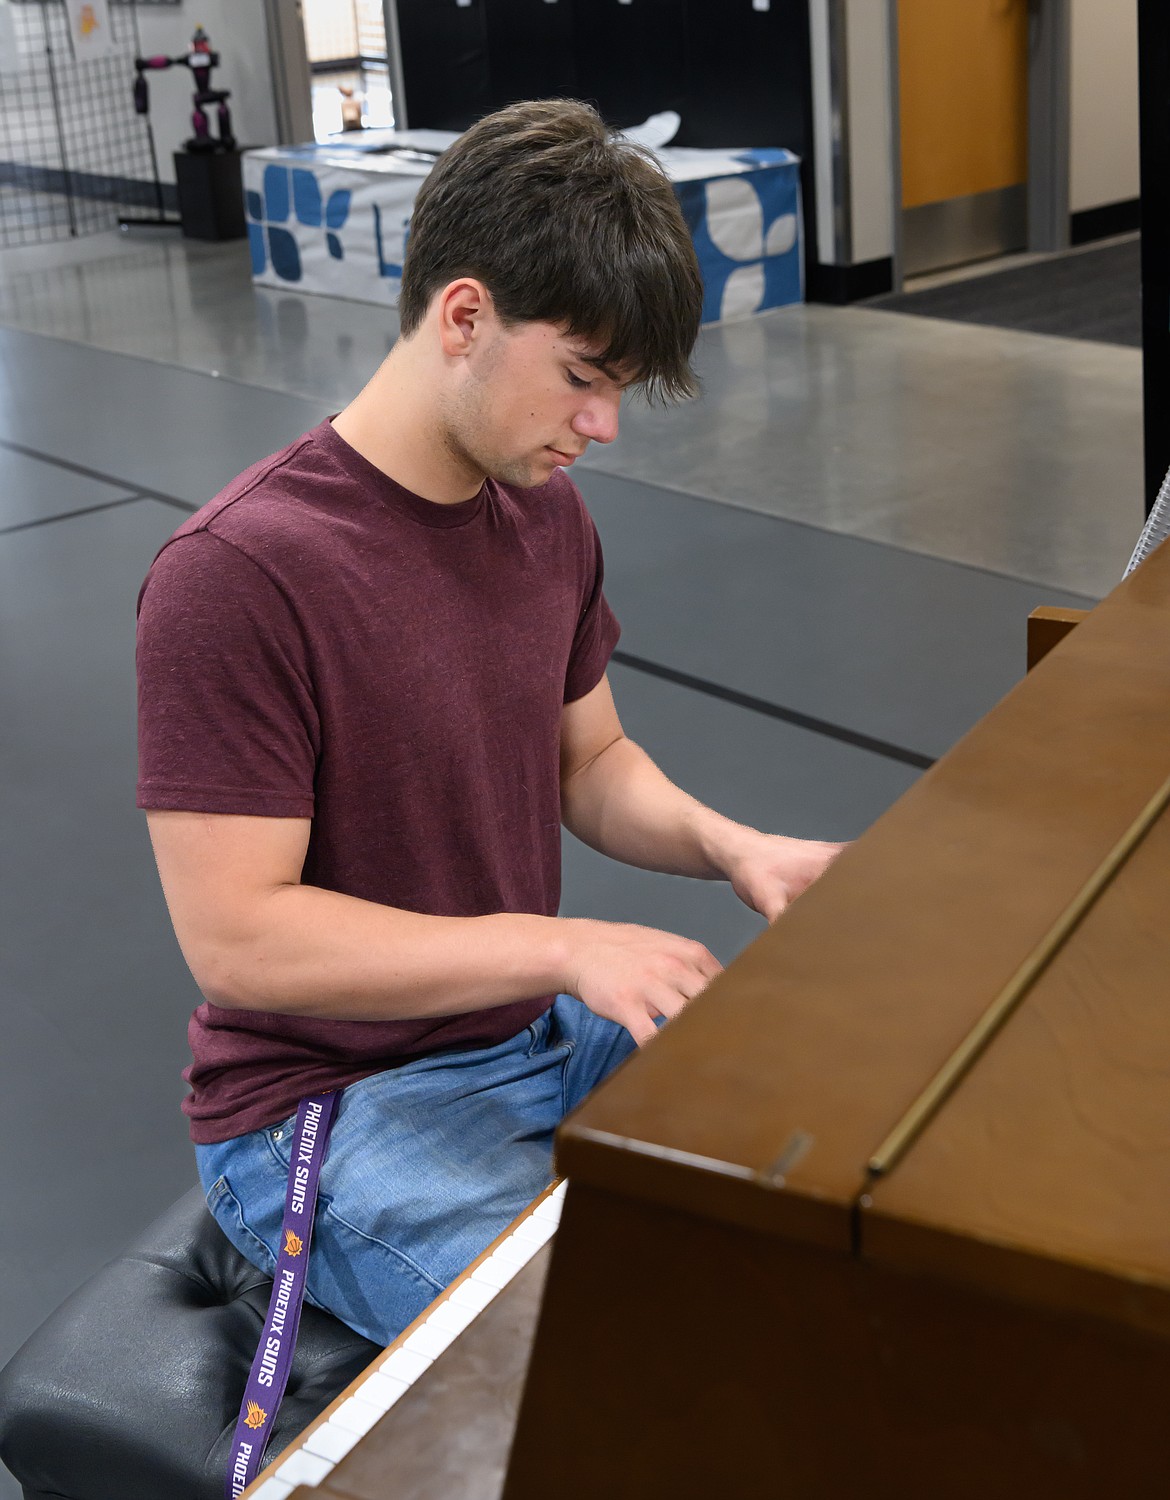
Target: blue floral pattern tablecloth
[{"x": 334, "y": 218}]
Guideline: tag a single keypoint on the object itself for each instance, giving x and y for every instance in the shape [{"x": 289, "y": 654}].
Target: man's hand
[
  {"x": 633, "y": 974},
  {"x": 767, "y": 870}
]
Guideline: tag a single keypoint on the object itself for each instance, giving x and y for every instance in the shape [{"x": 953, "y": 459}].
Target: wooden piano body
[{"x": 886, "y": 1212}]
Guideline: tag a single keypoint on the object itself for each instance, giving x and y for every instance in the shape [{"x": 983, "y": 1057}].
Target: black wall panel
[
  {"x": 737, "y": 76},
  {"x": 444, "y": 63},
  {"x": 749, "y": 81},
  {"x": 530, "y": 50},
  {"x": 632, "y": 60}
]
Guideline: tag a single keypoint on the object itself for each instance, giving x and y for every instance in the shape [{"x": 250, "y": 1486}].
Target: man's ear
[{"x": 464, "y": 310}]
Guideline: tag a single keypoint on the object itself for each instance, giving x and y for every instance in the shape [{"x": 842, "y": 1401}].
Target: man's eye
[{"x": 577, "y": 382}]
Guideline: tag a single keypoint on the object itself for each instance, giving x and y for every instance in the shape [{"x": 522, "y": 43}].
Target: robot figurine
[{"x": 200, "y": 59}]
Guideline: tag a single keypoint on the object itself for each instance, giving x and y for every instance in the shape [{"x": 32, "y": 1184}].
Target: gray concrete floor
[
  {"x": 823, "y": 570},
  {"x": 1013, "y": 452}
]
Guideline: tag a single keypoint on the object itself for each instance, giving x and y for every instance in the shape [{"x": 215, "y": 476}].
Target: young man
[{"x": 372, "y": 687}]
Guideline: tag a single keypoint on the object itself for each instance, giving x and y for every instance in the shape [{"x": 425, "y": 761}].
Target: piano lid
[{"x": 764, "y": 1102}]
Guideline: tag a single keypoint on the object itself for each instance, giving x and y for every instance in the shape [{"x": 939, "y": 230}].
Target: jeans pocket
[
  {"x": 279, "y": 1139},
  {"x": 538, "y": 1033},
  {"x": 560, "y": 1038},
  {"x": 228, "y": 1212}
]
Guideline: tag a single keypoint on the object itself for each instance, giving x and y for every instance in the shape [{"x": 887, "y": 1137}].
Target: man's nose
[{"x": 597, "y": 420}]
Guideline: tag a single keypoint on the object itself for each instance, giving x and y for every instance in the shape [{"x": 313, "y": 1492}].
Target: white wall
[
  {"x": 239, "y": 34},
  {"x": 871, "y": 183},
  {"x": 1103, "y": 145},
  {"x": 870, "y": 126}
]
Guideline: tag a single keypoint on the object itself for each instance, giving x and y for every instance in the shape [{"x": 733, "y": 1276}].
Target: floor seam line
[
  {"x": 140, "y": 491},
  {"x": 72, "y": 515},
  {"x": 793, "y": 716}
]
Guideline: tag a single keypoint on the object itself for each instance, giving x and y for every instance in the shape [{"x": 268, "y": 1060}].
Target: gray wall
[{"x": 238, "y": 32}]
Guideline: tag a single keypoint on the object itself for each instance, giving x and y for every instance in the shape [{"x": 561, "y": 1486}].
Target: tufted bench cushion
[{"x": 130, "y": 1391}]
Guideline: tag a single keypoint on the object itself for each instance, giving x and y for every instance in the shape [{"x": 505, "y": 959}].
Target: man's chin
[{"x": 527, "y": 476}]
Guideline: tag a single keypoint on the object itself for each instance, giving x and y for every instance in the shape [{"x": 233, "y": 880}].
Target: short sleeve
[
  {"x": 598, "y": 631},
  {"x": 226, "y": 715}
]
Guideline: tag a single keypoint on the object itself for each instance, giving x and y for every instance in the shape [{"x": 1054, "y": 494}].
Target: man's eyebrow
[{"x": 599, "y": 363}]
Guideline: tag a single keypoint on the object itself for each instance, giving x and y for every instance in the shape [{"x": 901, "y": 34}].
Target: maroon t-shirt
[{"x": 318, "y": 642}]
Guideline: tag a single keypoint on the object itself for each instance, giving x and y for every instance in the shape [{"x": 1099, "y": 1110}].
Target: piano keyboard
[{"x": 341, "y": 1426}]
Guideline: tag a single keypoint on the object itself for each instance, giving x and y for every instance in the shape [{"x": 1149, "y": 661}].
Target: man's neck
[{"x": 393, "y": 424}]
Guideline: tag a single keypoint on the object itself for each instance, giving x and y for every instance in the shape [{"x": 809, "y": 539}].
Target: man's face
[{"x": 530, "y": 401}]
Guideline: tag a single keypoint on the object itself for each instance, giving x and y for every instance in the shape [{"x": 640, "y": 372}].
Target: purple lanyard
[{"x": 270, "y": 1369}]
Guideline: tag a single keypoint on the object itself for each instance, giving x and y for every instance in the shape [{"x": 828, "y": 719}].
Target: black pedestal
[{"x": 211, "y": 194}]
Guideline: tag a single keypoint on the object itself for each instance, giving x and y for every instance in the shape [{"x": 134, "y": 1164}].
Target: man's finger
[
  {"x": 694, "y": 984},
  {"x": 705, "y": 962},
  {"x": 641, "y": 1028},
  {"x": 667, "y": 999}
]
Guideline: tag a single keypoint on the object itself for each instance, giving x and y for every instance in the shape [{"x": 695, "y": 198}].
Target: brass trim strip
[{"x": 971, "y": 1048}]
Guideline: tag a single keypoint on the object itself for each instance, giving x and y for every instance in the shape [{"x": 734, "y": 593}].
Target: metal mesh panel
[{"x": 73, "y": 154}]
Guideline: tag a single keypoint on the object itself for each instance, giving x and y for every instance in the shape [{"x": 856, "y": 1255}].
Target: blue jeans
[{"x": 428, "y": 1162}]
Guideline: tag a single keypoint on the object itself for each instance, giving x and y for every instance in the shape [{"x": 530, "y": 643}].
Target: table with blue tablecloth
[{"x": 333, "y": 218}]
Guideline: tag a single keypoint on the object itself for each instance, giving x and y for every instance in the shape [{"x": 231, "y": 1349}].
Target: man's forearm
[
  {"x": 307, "y": 951},
  {"x": 622, "y": 805}
]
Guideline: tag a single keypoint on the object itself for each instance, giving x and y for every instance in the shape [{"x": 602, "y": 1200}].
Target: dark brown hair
[{"x": 565, "y": 224}]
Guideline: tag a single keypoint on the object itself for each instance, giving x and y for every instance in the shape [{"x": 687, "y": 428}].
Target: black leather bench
[{"x": 130, "y": 1391}]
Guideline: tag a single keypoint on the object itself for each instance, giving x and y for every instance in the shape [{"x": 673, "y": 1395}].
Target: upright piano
[{"x": 886, "y": 1212}]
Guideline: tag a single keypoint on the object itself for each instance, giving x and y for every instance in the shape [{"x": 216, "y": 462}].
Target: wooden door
[{"x": 963, "y": 77}]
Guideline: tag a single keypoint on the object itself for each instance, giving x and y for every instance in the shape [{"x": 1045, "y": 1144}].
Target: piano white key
[
  {"x": 303, "y": 1468},
  {"x": 381, "y": 1390},
  {"x": 406, "y": 1365},
  {"x": 558, "y": 1193},
  {"x": 274, "y": 1489},
  {"x": 549, "y": 1211},
  {"x": 514, "y": 1252},
  {"x": 429, "y": 1341},
  {"x": 452, "y": 1317},
  {"x": 331, "y": 1441},
  {"x": 356, "y": 1416},
  {"x": 534, "y": 1231},
  {"x": 472, "y": 1293},
  {"x": 495, "y": 1273}
]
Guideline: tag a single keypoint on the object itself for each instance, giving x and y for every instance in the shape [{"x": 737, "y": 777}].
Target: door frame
[
  {"x": 288, "y": 57},
  {"x": 394, "y": 60},
  {"x": 1049, "y": 115},
  {"x": 1049, "y": 105}
]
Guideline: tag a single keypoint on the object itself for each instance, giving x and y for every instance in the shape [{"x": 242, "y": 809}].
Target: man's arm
[
  {"x": 255, "y": 938},
  {"x": 614, "y": 798}
]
